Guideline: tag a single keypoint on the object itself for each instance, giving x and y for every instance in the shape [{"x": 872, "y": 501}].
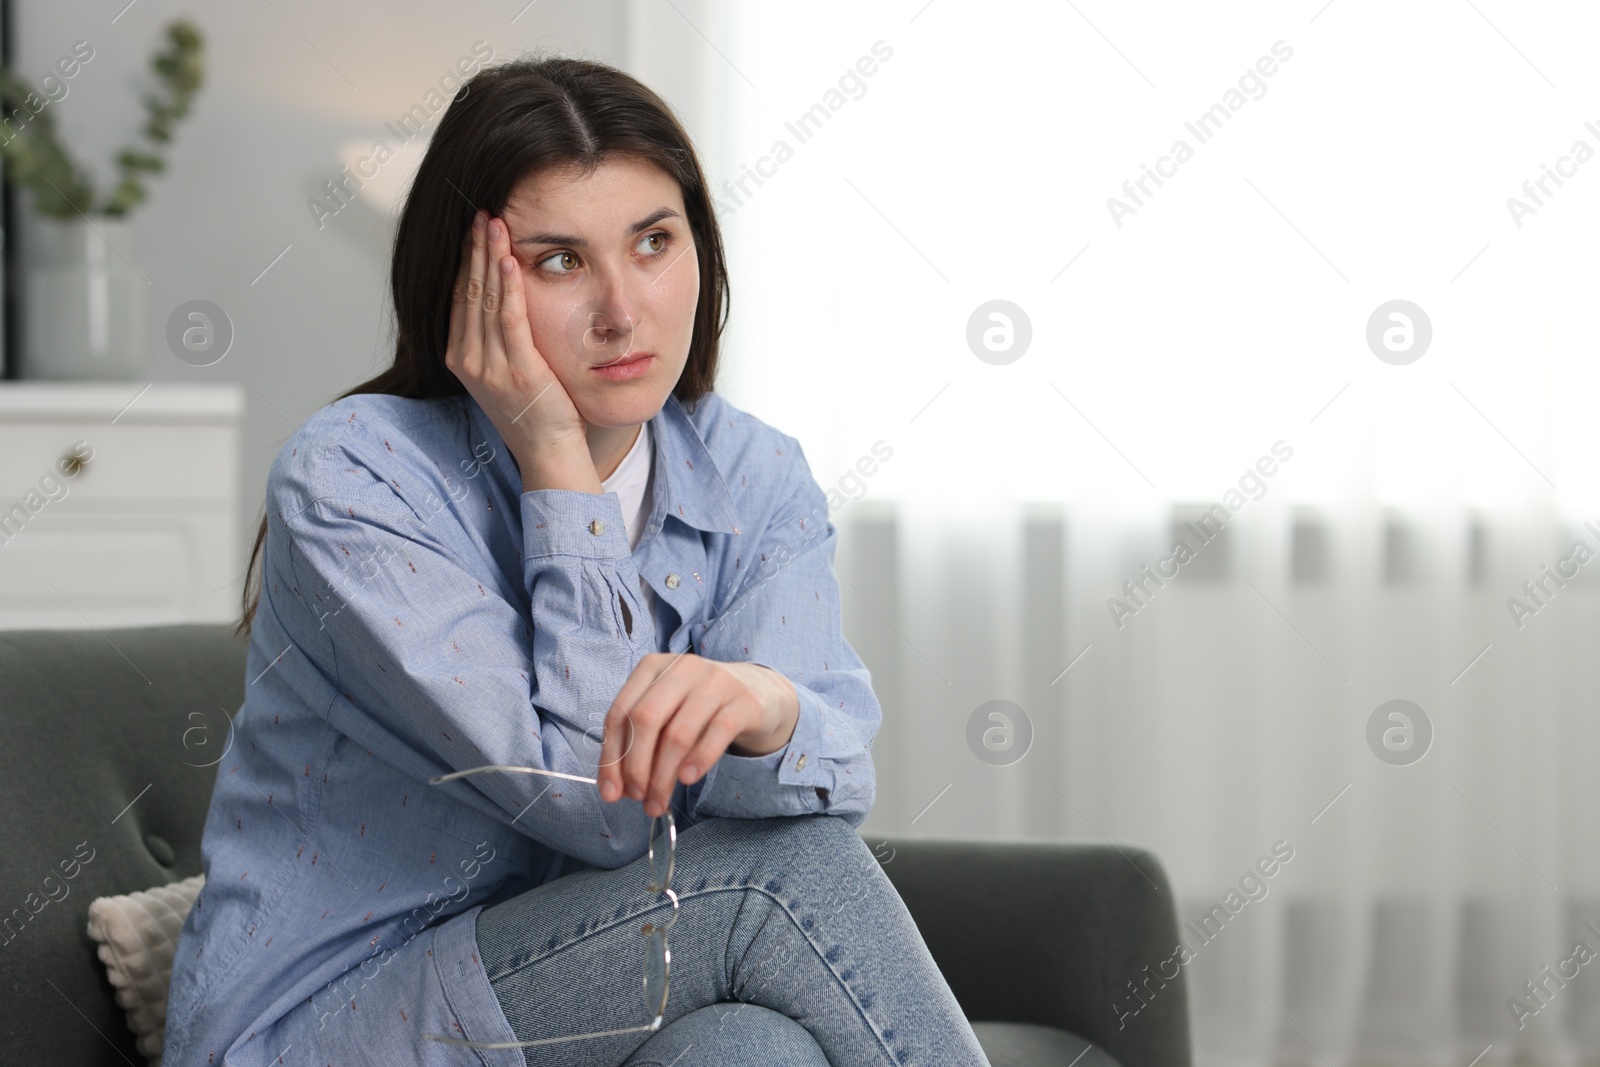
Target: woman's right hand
[{"x": 491, "y": 350}]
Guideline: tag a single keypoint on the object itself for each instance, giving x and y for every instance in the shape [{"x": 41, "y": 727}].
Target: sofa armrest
[{"x": 1052, "y": 934}]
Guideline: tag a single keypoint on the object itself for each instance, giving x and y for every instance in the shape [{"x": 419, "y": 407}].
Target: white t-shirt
[{"x": 633, "y": 481}]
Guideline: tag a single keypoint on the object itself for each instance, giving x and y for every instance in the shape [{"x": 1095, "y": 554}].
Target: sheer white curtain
[{"x": 991, "y": 512}]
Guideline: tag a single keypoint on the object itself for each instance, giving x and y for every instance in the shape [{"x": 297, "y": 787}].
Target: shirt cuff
[
  {"x": 794, "y": 780},
  {"x": 802, "y": 757},
  {"x": 573, "y": 523}
]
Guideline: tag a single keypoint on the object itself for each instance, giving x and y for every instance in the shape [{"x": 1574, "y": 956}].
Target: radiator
[{"x": 1441, "y": 902}]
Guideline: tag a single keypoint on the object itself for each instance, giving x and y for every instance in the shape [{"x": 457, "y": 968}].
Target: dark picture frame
[{"x": 10, "y": 279}]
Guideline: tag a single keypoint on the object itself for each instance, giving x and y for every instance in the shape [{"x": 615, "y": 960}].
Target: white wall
[{"x": 285, "y": 94}]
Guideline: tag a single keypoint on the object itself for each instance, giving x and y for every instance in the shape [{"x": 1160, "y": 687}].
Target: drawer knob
[{"x": 71, "y": 464}]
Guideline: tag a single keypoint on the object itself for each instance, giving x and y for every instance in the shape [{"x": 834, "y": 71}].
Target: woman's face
[{"x": 610, "y": 274}]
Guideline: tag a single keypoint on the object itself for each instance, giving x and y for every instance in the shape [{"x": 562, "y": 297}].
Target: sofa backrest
[{"x": 109, "y": 743}]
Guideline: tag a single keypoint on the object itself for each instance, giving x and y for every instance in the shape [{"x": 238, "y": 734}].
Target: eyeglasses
[{"x": 663, "y": 851}]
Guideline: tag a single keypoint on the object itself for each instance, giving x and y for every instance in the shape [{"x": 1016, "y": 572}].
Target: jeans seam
[
  {"x": 888, "y": 1052},
  {"x": 608, "y": 925},
  {"x": 860, "y": 1011}
]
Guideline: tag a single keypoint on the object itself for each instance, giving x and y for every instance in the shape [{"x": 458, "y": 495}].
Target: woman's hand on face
[
  {"x": 677, "y": 714},
  {"x": 491, "y": 348}
]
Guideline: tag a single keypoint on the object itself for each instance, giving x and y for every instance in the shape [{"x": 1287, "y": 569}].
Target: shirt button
[
  {"x": 672, "y": 581},
  {"x": 597, "y": 527},
  {"x": 800, "y": 764}
]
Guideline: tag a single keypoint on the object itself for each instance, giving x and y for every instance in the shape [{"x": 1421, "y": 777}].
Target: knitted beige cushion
[{"x": 137, "y": 934}]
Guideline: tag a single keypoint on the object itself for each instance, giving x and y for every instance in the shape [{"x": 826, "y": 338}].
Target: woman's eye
[
  {"x": 561, "y": 256},
  {"x": 661, "y": 239}
]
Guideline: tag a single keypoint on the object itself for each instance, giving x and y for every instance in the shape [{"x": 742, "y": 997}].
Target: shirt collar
[{"x": 688, "y": 483}]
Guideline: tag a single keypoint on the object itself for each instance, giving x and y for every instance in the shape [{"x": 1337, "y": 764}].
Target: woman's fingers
[
  {"x": 642, "y": 706},
  {"x": 705, "y": 723},
  {"x": 618, "y": 736},
  {"x": 713, "y": 743},
  {"x": 494, "y": 352},
  {"x": 672, "y": 711},
  {"x": 682, "y": 728},
  {"x": 617, "y": 739},
  {"x": 522, "y": 358},
  {"x": 614, "y": 744},
  {"x": 469, "y": 350},
  {"x": 648, "y": 699}
]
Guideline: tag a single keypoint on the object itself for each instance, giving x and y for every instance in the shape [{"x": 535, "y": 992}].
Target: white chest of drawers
[{"x": 118, "y": 503}]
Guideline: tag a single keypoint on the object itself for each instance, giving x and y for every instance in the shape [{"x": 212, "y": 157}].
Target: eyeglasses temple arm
[{"x": 506, "y": 767}]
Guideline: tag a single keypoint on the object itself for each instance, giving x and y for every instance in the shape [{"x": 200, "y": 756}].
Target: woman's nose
[
  {"x": 613, "y": 316},
  {"x": 605, "y": 329}
]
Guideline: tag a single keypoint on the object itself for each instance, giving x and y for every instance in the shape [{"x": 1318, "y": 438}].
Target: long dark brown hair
[{"x": 512, "y": 121}]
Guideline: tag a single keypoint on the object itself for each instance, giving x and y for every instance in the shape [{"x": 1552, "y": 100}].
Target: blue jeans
[{"x": 791, "y": 915}]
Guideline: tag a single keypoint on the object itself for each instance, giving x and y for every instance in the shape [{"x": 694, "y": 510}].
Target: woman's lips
[{"x": 632, "y": 367}]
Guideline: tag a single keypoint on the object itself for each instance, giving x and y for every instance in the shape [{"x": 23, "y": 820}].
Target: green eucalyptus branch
[
  {"x": 36, "y": 158},
  {"x": 60, "y": 187},
  {"x": 179, "y": 70}
]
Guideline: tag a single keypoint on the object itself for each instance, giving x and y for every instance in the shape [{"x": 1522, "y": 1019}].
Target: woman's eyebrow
[{"x": 577, "y": 242}]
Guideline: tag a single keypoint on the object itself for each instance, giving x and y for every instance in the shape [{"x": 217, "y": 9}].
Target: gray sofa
[{"x": 1038, "y": 940}]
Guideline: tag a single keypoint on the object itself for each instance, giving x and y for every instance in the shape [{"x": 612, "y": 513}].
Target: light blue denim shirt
[{"x": 420, "y": 613}]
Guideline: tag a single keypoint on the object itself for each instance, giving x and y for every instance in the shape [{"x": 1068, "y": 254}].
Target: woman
[{"x": 542, "y": 541}]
